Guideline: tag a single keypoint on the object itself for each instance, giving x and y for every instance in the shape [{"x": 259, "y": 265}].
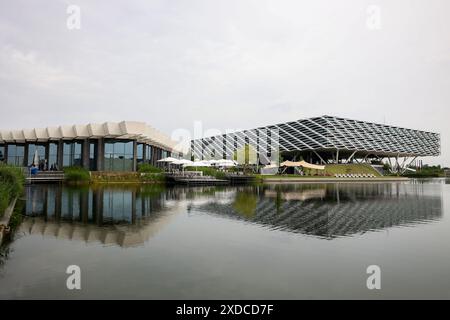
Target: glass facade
[
  {"x": 119, "y": 156},
  {"x": 140, "y": 153},
  {"x": 114, "y": 155},
  {"x": 93, "y": 156},
  {"x": 32, "y": 148},
  {"x": 148, "y": 153},
  {"x": 72, "y": 154},
  {"x": 53, "y": 156},
  {"x": 16, "y": 155}
]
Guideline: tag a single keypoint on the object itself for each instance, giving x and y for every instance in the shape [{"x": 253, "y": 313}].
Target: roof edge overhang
[{"x": 133, "y": 130}]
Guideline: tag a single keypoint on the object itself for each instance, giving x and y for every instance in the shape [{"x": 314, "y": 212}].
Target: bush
[
  {"x": 153, "y": 177},
  {"x": 76, "y": 174},
  {"x": 11, "y": 185},
  {"x": 148, "y": 168},
  {"x": 114, "y": 176},
  {"x": 426, "y": 172}
]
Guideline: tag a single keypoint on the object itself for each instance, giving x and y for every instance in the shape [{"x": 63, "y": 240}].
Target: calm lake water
[{"x": 296, "y": 241}]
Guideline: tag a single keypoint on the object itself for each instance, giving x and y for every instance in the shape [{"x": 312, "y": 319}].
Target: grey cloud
[{"x": 230, "y": 64}]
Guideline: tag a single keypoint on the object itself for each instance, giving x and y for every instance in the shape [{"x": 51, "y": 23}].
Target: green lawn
[
  {"x": 331, "y": 170},
  {"x": 350, "y": 169}
]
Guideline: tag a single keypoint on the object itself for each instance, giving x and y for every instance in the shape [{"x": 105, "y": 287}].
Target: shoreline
[
  {"x": 334, "y": 180},
  {"x": 268, "y": 180}
]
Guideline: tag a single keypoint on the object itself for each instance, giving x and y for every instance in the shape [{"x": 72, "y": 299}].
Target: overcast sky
[{"x": 230, "y": 64}]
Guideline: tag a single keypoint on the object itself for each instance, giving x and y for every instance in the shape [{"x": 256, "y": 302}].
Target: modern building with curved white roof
[{"x": 109, "y": 146}]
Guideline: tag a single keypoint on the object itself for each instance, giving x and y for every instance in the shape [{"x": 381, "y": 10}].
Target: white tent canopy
[
  {"x": 169, "y": 160},
  {"x": 303, "y": 164},
  {"x": 225, "y": 163}
]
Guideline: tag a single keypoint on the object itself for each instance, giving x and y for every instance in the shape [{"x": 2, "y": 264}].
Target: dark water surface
[{"x": 291, "y": 241}]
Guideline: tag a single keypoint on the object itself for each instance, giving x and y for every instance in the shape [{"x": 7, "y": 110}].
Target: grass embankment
[
  {"x": 76, "y": 174},
  {"x": 426, "y": 172},
  {"x": 11, "y": 185},
  {"x": 350, "y": 169},
  {"x": 146, "y": 174}
]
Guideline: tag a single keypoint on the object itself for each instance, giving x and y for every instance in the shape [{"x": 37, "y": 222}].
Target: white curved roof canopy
[{"x": 139, "y": 131}]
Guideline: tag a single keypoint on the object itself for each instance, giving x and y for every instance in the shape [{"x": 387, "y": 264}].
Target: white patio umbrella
[
  {"x": 200, "y": 164},
  {"x": 168, "y": 159},
  {"x": 227, "y": 164},
  {"x": 183, "y": 162}
]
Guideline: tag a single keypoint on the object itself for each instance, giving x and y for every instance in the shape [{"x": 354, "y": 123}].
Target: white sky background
[{"x": 230, "y": 64}]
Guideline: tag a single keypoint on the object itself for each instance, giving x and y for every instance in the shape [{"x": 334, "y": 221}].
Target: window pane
[
  {"x": 129, "y": 147},
  {"x": 53, "y": 148},
  {"x": 119, "y": 154},
  {"x": 109, "y": 148},
  {"x": 92, "y": 156},
  {"x": 66, "y": 160},
  {"x": 31, "y": 151},
  {"x": 91, "y": 150},
  {"x": 149, "y": 153},
  {"x": 119, "y": 148},
  {"x": 77, "y": 148},
  {"x": 117, "y": 164},
  {"x": 108, "y": 164},
  {"x": 140, "y": 152},
  {"x": 20, "y": 151},
  {"x": 67, "y": 148},
  {"x": 128, "y": 165},
  {"x": 11, "y": 150},
  {"x": 53, "y": 156}
]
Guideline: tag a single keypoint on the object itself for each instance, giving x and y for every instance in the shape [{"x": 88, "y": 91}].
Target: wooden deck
[
  {"x": 195, "y": 180},
  {"x": 45, "y": 177}
]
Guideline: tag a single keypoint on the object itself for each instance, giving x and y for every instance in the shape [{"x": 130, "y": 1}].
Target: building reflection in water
[
  {"x": 111, "y": 216},
  {"x": 331, "y": 210},
  {"x": 130, "y": 216}
]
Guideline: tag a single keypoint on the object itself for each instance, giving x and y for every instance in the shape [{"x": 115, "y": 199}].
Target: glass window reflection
[{"x": 119, "y": 156}]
